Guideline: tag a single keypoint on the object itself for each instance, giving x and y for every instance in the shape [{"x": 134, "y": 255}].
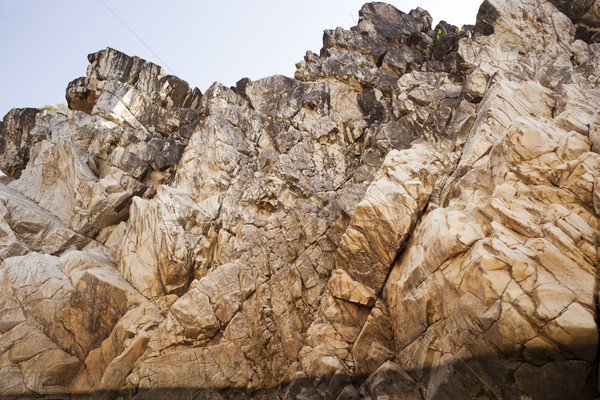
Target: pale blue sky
[{"x": 45, "y": 43}]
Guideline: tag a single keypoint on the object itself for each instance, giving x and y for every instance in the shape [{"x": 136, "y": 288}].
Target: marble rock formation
[{"x": 414, "y": 215}]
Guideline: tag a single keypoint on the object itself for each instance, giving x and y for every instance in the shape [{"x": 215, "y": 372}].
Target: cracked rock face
[{"x": 414, "y": 215}]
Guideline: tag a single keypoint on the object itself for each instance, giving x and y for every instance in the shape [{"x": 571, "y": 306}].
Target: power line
[{"x": 138, "y": 38}]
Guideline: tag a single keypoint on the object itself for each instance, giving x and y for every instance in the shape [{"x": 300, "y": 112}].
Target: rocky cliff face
[{"x": 413, "y": 216}]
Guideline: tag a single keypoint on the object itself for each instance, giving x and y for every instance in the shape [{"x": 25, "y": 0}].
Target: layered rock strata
[{"x": 414, "y": 215}]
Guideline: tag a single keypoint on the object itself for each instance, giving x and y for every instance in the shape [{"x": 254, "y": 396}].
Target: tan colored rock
[
  {"x": 374, "y": 345},
  {"x": 101, "y": 297},
  {"x": 30, "y": 346},
  {"x": 50, "y": 371},
  {"x": 194, "y": 312},
  {"x": 38, "y": 285},
  {"x": 12, "y": 313},
  {"x": 12, "y": 383},
  {"x": 162, "y": 261},
  {"x": 28, "y": 227},
  {"x": 116, "y": 372},
  {"x": 107, "y": 366},
  {"x": 227, "y": 287},
  {"x": 413, "y": 216},
  {"x": 76, "y": 188},
  {"x": 378, "y": 229},
  {"x": 217, "y": 366}
]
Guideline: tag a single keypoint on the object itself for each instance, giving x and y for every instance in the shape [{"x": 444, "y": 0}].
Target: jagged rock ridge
[{"x": 414, "y": 215}]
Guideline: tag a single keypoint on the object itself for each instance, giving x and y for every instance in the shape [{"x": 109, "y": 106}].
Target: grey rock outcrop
[
  {"x": 414, "y": 215},
  {"x": 585, "y": 14},
  {"x": 16, "y": 140}
]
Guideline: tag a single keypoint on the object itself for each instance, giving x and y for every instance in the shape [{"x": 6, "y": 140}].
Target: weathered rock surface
[
  {"x": 16, "y": 140},
  {"x": 413, "y": 216}
]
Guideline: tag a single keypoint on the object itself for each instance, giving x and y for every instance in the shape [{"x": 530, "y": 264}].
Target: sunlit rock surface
[{"x": 414, "y": 215}]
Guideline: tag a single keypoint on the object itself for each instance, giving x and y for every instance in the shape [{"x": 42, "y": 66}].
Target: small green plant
[
  {"x": 439, "y": 35},
  {"x": 362, "y": 64},
  {"x": 57, "y": 108}
]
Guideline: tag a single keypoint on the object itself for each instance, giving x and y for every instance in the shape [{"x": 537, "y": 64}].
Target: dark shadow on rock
[{"x": 482, "y": 377}]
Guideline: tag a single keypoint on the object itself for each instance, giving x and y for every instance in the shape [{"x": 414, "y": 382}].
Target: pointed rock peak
[{"x": 385, "y": 20}]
